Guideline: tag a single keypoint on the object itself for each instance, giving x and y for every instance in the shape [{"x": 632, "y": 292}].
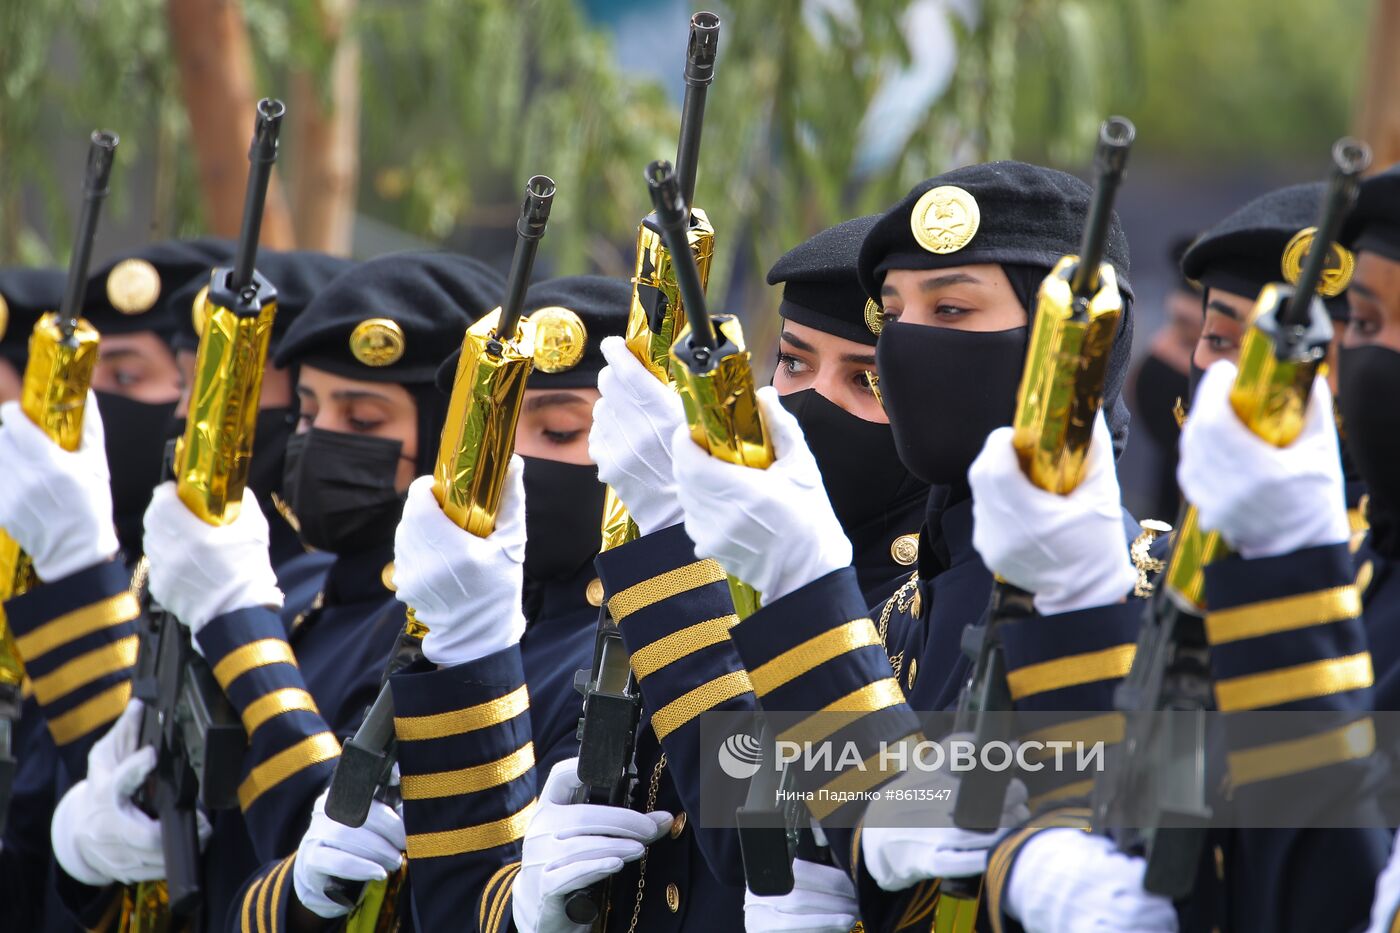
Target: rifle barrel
[
  {"x": 95, "y": 187},
  {"x": 673, "y": 217},
  {"x": 1350, "y": 157},
  {"x": 529, "y": 229},
  {"x": 262, "y": 154},
  {"x": 1110, "y": 157},
  {"x": 700, "y": 54}
]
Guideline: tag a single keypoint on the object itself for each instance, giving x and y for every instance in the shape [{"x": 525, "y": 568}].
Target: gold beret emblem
[
  {"x": 199, "y": 311},
  {"x": 560, "y": 339},
  {"x": 133, "y": 286},
  {"x": 4, "y": 316},
  {"x": 874, "y": 317},
  {"x": 945, "y": 219},
  {"x": 1336, "y": 274},
  {"x": 377, "y": 341}
]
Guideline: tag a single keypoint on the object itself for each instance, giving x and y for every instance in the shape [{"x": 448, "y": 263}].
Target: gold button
[
  {"x": 916, "y": 605},
  {"x": 1219, "y": 863},
  {"x": 673, "y": 897},
  {"x": 386, "y": 576},
  {"x": 594, "y": 592},
  {"x": 678, "y": 825},
  {"x": 913, "y": 671},
  {"x": 905, "y": 550}
]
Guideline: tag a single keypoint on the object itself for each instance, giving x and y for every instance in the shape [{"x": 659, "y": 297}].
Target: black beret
[
  {"x": 1374, "y": 223},
  {"x": 993, "y": 212},
  {"x": 297, "y": 275},
  {"x": 821, "y": 288},
  {"x": 25, "y": 295},
  {"x": 599, "y": 303},
  {"x": 392, "y": 319},
  {"x": 1256, "y": 245},
  {"x": 136, "y": 290}
]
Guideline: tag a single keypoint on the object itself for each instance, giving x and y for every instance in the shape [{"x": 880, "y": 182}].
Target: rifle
[
  {"x": 197, "y": 733},
  {"x": 612, "y": 701},
  {"x": 1077, "y": 313},
  {"x": 1161, "y": 763},
  {"x": 62, "y": 353},
  {"x": 477, "y": 441}
]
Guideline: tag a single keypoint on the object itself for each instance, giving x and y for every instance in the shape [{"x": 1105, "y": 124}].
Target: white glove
[
  {"x": 1069, "y": 551},
  {"x": 909, "y": 836},
  {"x": 569, "y": 846},
  {"x": 774, "y": 529},
  {"x": 200, "y": 571},
  {"x": 1068, "y": 881},
  {"x": 55, "y": 504},
  {"x": 631, "y": 438},
  {"x": 465, "y": 589},
  {"x": 330, "y": 850},
  {"x": 99, "y": 835},
  {"x": 822, "y": 900},
  {"x": 1387, "y": 900},
  {"x": 1264, "y": 500}
]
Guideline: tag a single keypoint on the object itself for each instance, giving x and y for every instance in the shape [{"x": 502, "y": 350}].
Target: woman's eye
[
  {"x": 1220, "y": 344},
  {"x": 125, "y": 379},
  {"x": 304, "y": 419},
  {"x": 792, "y": 365},
  {"x": 890, "y": 315},
  {"x": 1363, "y": 326},
  {"x": 950, "y": 311},
  {"x": 361, "y": 426},
  {"x": 562, "y": 437}
]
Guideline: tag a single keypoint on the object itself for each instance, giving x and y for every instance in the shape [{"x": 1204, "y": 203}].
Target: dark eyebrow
[
  {"x": 943, "y": 281},
  {"x": 797, "y": 341},
  {"x": 861, "y": 359},
  {"x": 1363, "y": 290},
  {"x": 353, "y": 395},
  {"x": 119, "y": 354},
  {"x": 552, "y": 399},
  {"x": 1220, "y": 307}
]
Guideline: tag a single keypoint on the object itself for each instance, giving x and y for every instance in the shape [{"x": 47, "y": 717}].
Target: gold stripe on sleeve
[
  {"x": 114, "y": 610},
  {"x": 91, "y": 714},
  {"x": 812, "y": 653},
  {"x": 469, "y": 719},
  {"x": 470, "y": 780},
  {"x": 502, "y": 898},
  {"x": 638, "y": 596},
  {"x": 702, "y": 699},
  {"x": 487, "y": 893},
  {"x": 873, "y": 697},
  {"x": 277, "y": 884},
  {"x": 1283, "y": 615},
  {"x": 276, "y": 703},
  {"x": 1071, "y": 671},
  {"x": 253, "y": 655},
  {"x": 310, "y": 751},
  {"x": 471, "y": 838},
  {"x": 85, "y": 668},
  {"x": 1299, "y": 682},
  {"x": 649, "y": 659},
  {"x": 1280, "y": 759}
]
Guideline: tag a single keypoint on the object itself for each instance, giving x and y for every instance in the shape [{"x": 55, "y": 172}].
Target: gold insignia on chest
[
  {"x": 594, "y": 592},
  {"x": 560, "y": 339},
  {"x": 4, "y": 316},
  {"x": 1336, "y": 273},
  {"x": 1141, "y": 553},
  {"x": 874, "y": 317},
  {"x": 945, "y": 219},
  {"x": 905, "y": 550},
  {"x": 377, "y": 341},
  {"x": 133, "y": 286}
]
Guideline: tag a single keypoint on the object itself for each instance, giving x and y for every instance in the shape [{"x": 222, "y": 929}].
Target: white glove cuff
[
  {"x": 460, "y": 644},
  {"x": 1031, "y": 865},
  {"x": 1316, "y": 527},
  {"x": 237, "y": 594},
  {"x": 1111, "y": 585},
  {"x": 77, "y": 553},
  {"x": 63, "y": 833}
]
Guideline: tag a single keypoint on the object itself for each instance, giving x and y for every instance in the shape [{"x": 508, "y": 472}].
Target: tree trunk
[
  {"x": 210, "y": 41},
  {"x": 326, "y": 110},
  {"x": 1378, "y": 121}
]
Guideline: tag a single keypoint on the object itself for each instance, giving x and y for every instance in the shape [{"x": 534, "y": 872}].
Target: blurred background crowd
[{"x": 415, "y": 123}]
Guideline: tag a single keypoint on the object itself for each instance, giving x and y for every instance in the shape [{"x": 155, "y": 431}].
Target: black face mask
[
  {"x": 341, "y": 487},
  {"x": 563, "y": 517},
  {"x": 1158, "y": 387},
  {"x": 135, "y": 443},
  {"x": 860, "y": 467},
  {"x": 1370, "y": 383},
  {"x": 945, "y": 390}
]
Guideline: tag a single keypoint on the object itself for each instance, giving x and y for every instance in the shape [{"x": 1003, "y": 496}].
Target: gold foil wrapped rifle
[
  {"x": 1153, "y": 798},
  {"x": 62, "y": 353},
  {"x": 1078, "y": 309},
  {"x": 715, "y": 381},
  {"x": 478, "y": 438},
  {"x": 612, "y": 702},
  {"x": 197, "y": 733}
]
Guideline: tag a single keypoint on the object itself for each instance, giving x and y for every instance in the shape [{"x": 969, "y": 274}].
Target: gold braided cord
[
  {"x": 1283, "y": 615},
  {"x": 1071, "y": 671},
  {"x": 471, "y": 838},
  {"x": 663, "y": 586},
  {"x": 310, "y": 751},
  {"x": 1280, "y": 759},
  {"x": 90, "y": 715},
  {"x": 265, "y": 707},
  {"x": 86, "y": 668},
  {"x": 873, "y": 697},
  {"x": 1299, "y": 682},
  {"x": 253, "y": 655},
  {"x": 470, "y": 780},
  {"x": 649, "y": 659},
  {"x": 812, "y": 653},
  {"x": 68, "y": 628},
  {"x": 468, "y": 719},
  {"x": 703, "y": 698}
]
